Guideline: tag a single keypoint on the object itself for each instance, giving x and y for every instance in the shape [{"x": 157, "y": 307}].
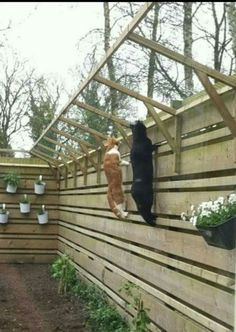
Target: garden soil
[{"x": 29, "y": 302}]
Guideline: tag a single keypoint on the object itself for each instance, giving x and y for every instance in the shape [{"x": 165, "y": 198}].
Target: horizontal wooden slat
[
  {"x": 180, "y": 285},
  {"x": 28, "y": 244}
]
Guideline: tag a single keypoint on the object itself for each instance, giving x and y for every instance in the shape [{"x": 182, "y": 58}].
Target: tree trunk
[
  {"x": 151, "y": 65},
  {"x": 110, "y": 64},
  {"x": 188, "y": 42},
  {"x": 231, "y": 15}
]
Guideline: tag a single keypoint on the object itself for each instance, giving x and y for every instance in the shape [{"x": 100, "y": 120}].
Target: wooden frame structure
[{"x": 154, "y": 108}]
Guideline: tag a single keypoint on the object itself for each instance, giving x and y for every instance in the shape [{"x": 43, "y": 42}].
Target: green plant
[
  {"x": 102, "y": 317},
  {"x": 12, "y": 179},
  {"x": 39, "y": 181},
  {"x": 65, "y": 272},
  {"x": 3, "y": 209},
  {"x": 141, "y": 320},
  {"x": 212, "y": 212},
  {"x": 41, "y": 210},
  {"x": 25, "y": 199}
]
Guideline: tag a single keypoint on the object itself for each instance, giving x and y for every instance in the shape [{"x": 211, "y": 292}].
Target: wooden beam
[
  {"x": 53, "y": 161},
  {"x": 184, "y": 60},
  {"x": 43, "y": 158},
  {"x": 70, "y": 150},
  {"x": 95, "y": 110},
  {"x": 75, "y": 139},
  {"x": 123, "y": 134},
  {"x": 131, "y": 26},
  {"x": 134, "y": 94},
  {"x": 217, "y": 101},
  {"x": 83, "y": 128},
  {"x": 90, "y": 158},
  {"x": 178, "y": 131},
  {"x": 161, "y": 125}
]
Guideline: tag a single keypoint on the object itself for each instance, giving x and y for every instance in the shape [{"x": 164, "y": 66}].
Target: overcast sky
[{"x": 46, "y": 33}]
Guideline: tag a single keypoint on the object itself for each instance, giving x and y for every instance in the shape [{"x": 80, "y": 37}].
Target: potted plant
[
  {"x": 11, "y": 180},
  {"x": 25, "y": 204},
  {"x": 4, "y": 214},
  {"x": 216, "y": 221},
  {"x": 42, "y": 215},
  {"x": 39, "y": 186}
]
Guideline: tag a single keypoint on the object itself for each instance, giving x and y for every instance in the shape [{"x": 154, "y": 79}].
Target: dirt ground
[{"x": 29, "y": 302}]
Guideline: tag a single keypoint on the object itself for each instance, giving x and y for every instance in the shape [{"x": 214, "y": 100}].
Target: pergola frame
[{"x": 154, "y": 108}]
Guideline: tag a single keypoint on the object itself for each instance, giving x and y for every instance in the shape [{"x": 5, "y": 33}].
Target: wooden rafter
[
  {"x": 123, "y": 134},
  {"x": 134, "y": 94},
  {"x": 44, "y": 157},
  {"x": 231, "y": 81},
  {"x": 75, "y": 139},
  {"x": 217, "y": 101},
  {"x": 161, "y": 126},
  {"x": 133, "y": 24},
  {"x": 95, "y": 110},
  {"x": 90, "y": 158},
  {"x": 84, "y": 128}
]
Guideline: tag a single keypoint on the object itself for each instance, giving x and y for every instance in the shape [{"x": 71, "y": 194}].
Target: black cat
[{"x": 141, "y": 160}]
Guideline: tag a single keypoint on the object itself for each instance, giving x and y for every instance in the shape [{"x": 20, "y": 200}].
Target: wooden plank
[
  {"x": 29, "y": 229},
  {"x": 169, "y": 300},
  {"x": 134, "y": 94},
  {"x": 73, "y": 138},
  {"x": 179, "y": 285},
  {"x": 95, "y": 110},
  {"x": 162, "y": 127},
  {"x": 189, "y": 246},
  {"x": 158, "y": 257},
  {"x": 28, "y": 258},
  {"x": 28, "y": 244},
  {"x": 83, "y": 128},
  {"x": 178, "y": 129},
  {"x": 217, "y": 101},
  {"x": 228, "y": 80}
]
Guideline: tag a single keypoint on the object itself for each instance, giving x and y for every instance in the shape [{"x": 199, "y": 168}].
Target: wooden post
[{"x": 177, "y": 154}]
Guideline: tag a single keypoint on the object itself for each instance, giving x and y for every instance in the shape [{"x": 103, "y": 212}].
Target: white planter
[
  {"x": 11, "y": 189},
  {"x": 43, "y": 218},
  {"x": 4, "y": 218},
  {"x": 39, "y": 189},
  {"x": 24, "y": 207}
]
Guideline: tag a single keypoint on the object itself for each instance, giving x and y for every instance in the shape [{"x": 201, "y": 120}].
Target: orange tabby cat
[{"x": 112, "y": 169}]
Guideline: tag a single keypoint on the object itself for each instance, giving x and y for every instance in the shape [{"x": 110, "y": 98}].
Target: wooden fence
[
  {"x": 187, "y": 284},
  {"x": 22, "y": 239}
]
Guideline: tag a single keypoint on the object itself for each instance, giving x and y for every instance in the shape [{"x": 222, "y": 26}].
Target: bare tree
[
  {"x": 188, "y": 44},
  {"x": 231, "y": 15},
  {"x": 14, "y": 98}
]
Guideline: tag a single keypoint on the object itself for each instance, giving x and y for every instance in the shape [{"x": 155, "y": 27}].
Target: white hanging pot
[
  {"x": 4, "y": 218},
  {"x": 39, "y": 189},
  {"x": 24, "y": 207},
  {"x": 43, "y": 218},
  {"x": 11, "y": 188}
]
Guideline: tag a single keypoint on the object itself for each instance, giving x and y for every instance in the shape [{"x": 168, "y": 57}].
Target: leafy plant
[
  {"x": 12, "y": 179},
  {"x": 102, "y": 317},
  {"x": 25, "y": 199},
  {"x": 65, "y": 272},
  {"x": 3, "y": 209},
  {"x": 39, "y": 181},
  {"x": 212, "y": 212},
  {"x": 141, "y": 320}
]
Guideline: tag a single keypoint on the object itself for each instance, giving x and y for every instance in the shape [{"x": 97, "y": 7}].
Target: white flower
[
  {"x": 232, "y": 198},
  {"x": 192, "y": 207},
  {"x": 220, "y": 200},
  {"x": 40, "y": 177},
  {"x": 193, "y": 220},
  {"x": 183, "y": 216},
  {"x": 43, "y": 207},
  {"x": 3, "y": 206}
]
